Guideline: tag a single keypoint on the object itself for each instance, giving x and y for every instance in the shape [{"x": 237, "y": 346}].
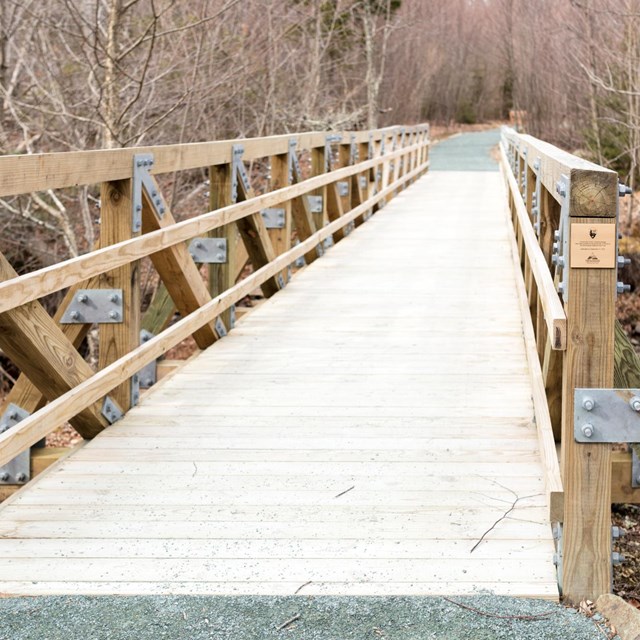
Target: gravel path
[
  {"x": 465, "y": 152},
  {"x": 310, "y": 618}
]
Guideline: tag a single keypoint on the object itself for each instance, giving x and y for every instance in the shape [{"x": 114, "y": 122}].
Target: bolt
[
  {"x": 151, "y": 163},
  {"x": 555, "y": 247},
  {"x": 162, "y": 210},
  {"x": 555, "y": 559},
  {"x": 13, "y": 416},
  {"x": 623, "y": 190},
  {"x": 621, "y": 287},
  {"x": 148, "y": 382},
  {"x": 114, "y": 297},
  {"x": 21, "y": 477},
  {"x": 4, "y": 477},
  {"x": 617, "y": 558},
  {"x": 83, "y": 297},
  {"x": 139, "y": 163},
  {"x": 561, "y": 188},
  {"x": 74, "y": 315},
  {"x": 219, "y": 256},
  {"x": 199, "y": 245},
  {"x": 634, "y": 403},
  {"x": 617, "y": 532},
  {"x": 560, "y": 261},
  {"x": 623, "y": 262},
  {"x": 587, "y": 430},
  {"x": 556, "y": 234},
  {"x": 535, "y": 211},
  {"x": 154, "y": 194},
  {"x": 588, "y": 404},
  {"x": 220, "y": 245},
  {"x": 138, "y": 208},
  {"x": 114, "y": 315}
]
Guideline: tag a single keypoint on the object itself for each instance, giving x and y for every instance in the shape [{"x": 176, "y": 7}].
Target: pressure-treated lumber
[
  {"x": 178, "y": 271},
  {"x": 281, "y": 238},
  {"x": 35, "y": 427},
  {"x": 593, "y": 188},
  {"x": 37, "y": 172},
  {"x": 50, "y": 279},
  {"x": 39, "y": 348},
  {"x": 119, "y": 338},
  {"x": 376, "y": 483},
  {"x": 551, "y": 304}
]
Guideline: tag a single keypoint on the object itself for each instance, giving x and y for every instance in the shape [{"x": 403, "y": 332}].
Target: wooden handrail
[
  {"x": 37, "y": 172},
  {"x": 554, "y": 314},
  {"x": 21, "y": 293}
]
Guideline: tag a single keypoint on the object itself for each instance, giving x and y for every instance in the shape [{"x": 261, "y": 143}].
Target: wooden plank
[
  {"x": 160, "y": 311},
  {"x": 223, "y": 276},
  {"x": 551, "y": 304},
  {"x": 586, "y": 470},
  {"x": 34, "y": 285},
  {"x": 43, "y": 422},
  {"x": 118, "y": 339},
  {"x": 35, "y": 344},
  {"x": 591, "y": 192},
  {"x": 281, "y": 238},
  {"x": 303, "y": 219},
  {"x": 318, "y": 168},
  {"x": 544, "y": 427},
  {"x": 178, "y": 271},
  {"x": 334, "y": 208},
  {"x": 37, "y": 172}
]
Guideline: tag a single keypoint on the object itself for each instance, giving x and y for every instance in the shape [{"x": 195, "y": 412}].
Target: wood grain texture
[{"x": 324, "y": 441}]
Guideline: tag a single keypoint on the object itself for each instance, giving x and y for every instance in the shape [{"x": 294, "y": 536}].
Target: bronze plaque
[{"x": 593, "y": 246}]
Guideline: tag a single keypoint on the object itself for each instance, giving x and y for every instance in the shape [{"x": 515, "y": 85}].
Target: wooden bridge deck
[{"x": 359, "y": 433}]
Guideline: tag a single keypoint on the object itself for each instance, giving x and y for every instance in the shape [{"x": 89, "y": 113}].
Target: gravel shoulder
[{"x": 478, "y": 617}]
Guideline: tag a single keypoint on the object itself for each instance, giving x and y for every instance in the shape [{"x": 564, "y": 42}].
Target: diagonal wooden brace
[{"x": 41, "y": 350}]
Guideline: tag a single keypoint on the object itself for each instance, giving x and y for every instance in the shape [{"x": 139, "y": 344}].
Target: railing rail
[
  {"x": 553, "y": 197},
  {"x": 52, "y": 368}
]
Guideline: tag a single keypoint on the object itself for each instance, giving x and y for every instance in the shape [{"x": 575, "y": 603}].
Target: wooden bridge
[{"x": 382, "y": 424}]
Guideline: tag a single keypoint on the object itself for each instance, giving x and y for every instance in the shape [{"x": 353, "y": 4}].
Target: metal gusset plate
[
  {"x": 274, "y": 218},
  {"x": 606, "y": 415},
  {"x": 149, "y": 373},
  {"x": 18, "y": 470},
  {"x": 142, "y": 179},
  {"x": 89, "y": 306},
  {"x": 560, "y": 257},
  {"x": 536, "y": 203},
  {"x": 208, "y": 250},
  {"x": 238, "y": 172}
]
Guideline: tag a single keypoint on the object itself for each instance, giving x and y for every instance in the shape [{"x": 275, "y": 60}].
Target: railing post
[
  {"x": 281, "y": 238},
  {"x": 589, "y": 361},
  {"x": 318, "y": 167},
  {"x": 118, "y": 339},
  {"x": 223, "y": 276}
]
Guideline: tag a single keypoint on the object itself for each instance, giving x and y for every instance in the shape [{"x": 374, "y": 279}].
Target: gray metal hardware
[
  {"x": 621, "y": 287},
  {"x": 238, "y": 171},
  {"x": 635, "y": 468},
  {"x": 328, "y": 141},
  {"x": 221, "y": 330},
  {"x": 17, "y": 470},
  {"x": 299, "y": 262},
  {"x": 558, "y": 559},
  {"x": 315, "y": 204},
  {"x": 617, "y": 532},
  {"x": 364, "y": 182},
  {"x": 208, "y": 250},
  {"x": 623, "y": 262},
  {"x": 536, "y": 198},
  {"x": 90, "y": 306},
  {"x": 343, "y": 188},
  {"x": 281, "y": 282},
  {"x": 149, "y": 373},
  {"x": 274, "y": 218},
  {"x": 560, "y": 257},
  {"x": 370, "y": 147},
  {"x": 525, "y": 174},
  {"x": 353, "y": 150},
  {"x": 232, "y": 315},
  {"x": 295, "y": 174},
  {"x": 617, "y": 558},
  {"x": 110, "y": 411},
  {"x": 623, "y": 190},
  {"x": 142, "y": 163},
  {"x": 614, "y": 415},
  {"x": 135, "y": 389}
]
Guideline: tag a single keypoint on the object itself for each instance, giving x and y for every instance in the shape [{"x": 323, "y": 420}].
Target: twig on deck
[{"x": 345, "y": 491}]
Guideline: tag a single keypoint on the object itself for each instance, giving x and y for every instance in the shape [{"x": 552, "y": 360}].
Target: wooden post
[
  {"x": 318, "y": 168},
  {"x": 588, "y": 362},
  {"x": 222, "y": 276},
  {"x": 118, "y": 339},
  {"x": 281, "y": 238}
]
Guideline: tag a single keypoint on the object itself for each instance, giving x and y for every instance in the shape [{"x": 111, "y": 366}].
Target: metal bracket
[
  {"x": 328, "y": 141},
  {"x": 208, "y": 250},
  {"x": 232, "y": 315},
  {"x": 237, "y": 169},
  {"x": 103, "y": 306},
  {"x": 135, "y": 389},
  {"x": 621, "y": 261},
  {"x": 295, "y": 173},
  {"x": 315, "y": 204},
  {"x": 274, "y": 218},
  {"x": 537, "y": 195},
  {"x": 221, "y": 330},
  {"x": 353, "y": 150},
  {"x": 606, "y": 415},
  {"x": 635, "y": 469},
  {"x": 149, "y": 373},
  {"x": 557, "y": 556},
  {"x": 18, "y": 470},
  {"x": 525, "y": 175},
  {"x": 110, "y": 411},
  {"x": 560, "y": 255},
  {"x": 343, "y": 188},
  {"x": 142, "y": 163},
  {"x": 364, "y": 183}
]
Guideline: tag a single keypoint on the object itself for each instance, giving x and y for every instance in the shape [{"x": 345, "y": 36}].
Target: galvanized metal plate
[
  {"x": 635, "y": 469},
  {"x": 103, "y": 306},
  {"x": 18, "y": 470},
  {"x": 208, "y": 250},
  {"x": 343, "y": 188},
  {"x": 315, "y": 204},
  {"x": 110, "y": 411},
  {"x": 363, "y": 182},
  {"x": 221, "y": 330},
  {"x": 149, "y": 373},
  {"x": 274, "y": 218},
  {"x": 606, "y": 415}
]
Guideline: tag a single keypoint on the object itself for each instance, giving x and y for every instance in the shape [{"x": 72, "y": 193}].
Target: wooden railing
[
  {"x": 569, "y": 314},
  {"x": 56, "y": 384}
]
